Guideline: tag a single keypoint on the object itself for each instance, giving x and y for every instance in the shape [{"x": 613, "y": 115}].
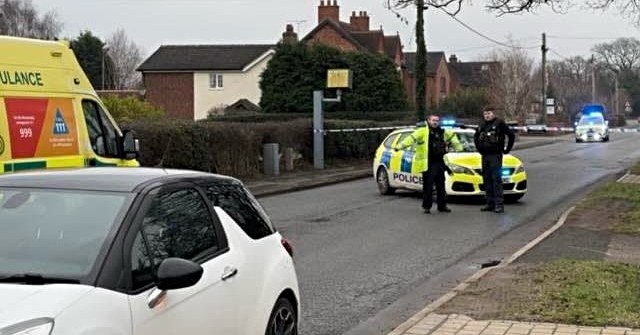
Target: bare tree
[
  {"x": 571, "y": 82},
  {"x": 512, "y": 87},
  {"x": 20, "y": 18},
  {"x": 620, "y": 60},
  {"x": 622, "y": 54},
  {"x": 124, "y": 58}
]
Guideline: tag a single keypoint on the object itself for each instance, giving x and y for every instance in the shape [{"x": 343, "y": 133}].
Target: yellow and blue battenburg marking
[
  {"x": 407, "y": 160},
  {"x": 386, "y": 158}
]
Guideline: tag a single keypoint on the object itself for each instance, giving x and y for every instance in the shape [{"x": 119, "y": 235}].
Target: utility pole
[
  {"x": 593, "y": 80},
  {"x": 544, "y": 78},
  {"x": 617, "y": 102},
  {"x": 421, "y": 60}
]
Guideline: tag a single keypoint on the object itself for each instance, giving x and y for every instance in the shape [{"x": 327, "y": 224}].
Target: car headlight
[
  {"x": 41, "y": 326},
  {"x": 519, "y": 169},
  {"x": 596, "y": 136},
  {"x": 455, "y": 168}
]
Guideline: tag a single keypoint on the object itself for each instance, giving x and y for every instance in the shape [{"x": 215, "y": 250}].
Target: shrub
[{"x": 131, "y": 108}]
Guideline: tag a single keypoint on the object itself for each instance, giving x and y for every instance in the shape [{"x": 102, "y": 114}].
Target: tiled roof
[
  {"x": 433, "y": 60},
  {"x": 474, "y": 73},
  {"x": 204, "y": 57},
  {"x": 371, "y": 40}
]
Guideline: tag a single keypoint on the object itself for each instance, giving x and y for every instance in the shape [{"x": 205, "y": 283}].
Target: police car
[
  {"x": 592, "y": 127},
  {"x": 395, "y": 169}
]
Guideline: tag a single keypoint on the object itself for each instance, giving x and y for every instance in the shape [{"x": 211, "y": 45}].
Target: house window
[
  {"x": 484, "y": 67},
  {"x": 443, "y": 85},
  {"x": 215, "y": 81}
]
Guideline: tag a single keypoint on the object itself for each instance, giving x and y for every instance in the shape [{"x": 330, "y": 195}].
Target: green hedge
[{"x": 235, "y": 148}]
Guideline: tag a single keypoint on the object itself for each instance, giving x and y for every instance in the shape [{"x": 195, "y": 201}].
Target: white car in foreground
[{"x": 140, "y": 251}]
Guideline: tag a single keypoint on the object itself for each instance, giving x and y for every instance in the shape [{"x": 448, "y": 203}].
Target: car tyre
[
  {"x": 578, "y": 140},
  {"x": 283, "y": 319},
  {"x": 382, "y": 180},
  {"x": 513, "y": 198}
]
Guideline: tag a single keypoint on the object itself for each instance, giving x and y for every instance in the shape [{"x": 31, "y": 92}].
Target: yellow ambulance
[{"x": 50, "y": 115}]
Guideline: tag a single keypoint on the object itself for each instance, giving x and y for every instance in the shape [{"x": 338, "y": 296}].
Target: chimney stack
[
  {"x": 289, "y": 36},
  {"x": 330, "y": 10},
  {"x": 453, "y": 59},
  {"x": 359, "y": 22}
]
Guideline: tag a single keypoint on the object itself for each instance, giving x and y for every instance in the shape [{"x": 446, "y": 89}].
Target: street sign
[
  {"x": 339, "y": 78},
  {"x": 551, "y": 109}
]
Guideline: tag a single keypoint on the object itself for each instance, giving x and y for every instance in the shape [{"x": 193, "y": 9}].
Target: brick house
[
  {"x": 357, "y": 35},
  {"x": 189, "y": 81},
  {"x": 440, "y": 79},
  {"x": 473, "y": 74}
]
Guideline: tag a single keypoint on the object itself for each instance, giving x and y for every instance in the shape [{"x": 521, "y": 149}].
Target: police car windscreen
[
  {"x": 590, "y": 120},
  {"x": 466, "y": 140}
]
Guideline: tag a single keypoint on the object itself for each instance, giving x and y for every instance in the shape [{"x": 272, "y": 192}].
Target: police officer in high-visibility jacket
[
  {"x": 431, "y": 145},
  {"x": 490, "y": 142}
]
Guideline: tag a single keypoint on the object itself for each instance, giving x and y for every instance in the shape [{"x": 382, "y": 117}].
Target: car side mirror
[
  {"x": 176, "y": 273},
  {"x": 130, "y": 145}
]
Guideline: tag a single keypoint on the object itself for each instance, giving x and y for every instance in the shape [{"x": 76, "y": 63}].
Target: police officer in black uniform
[{"x": 490, "y": 141}]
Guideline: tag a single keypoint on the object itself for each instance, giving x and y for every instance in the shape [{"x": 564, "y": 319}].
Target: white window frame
[{"x": 216, "y": 81}]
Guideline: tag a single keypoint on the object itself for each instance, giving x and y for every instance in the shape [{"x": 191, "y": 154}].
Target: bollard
[
  {"x": 288, "y": 159},
  {"x": 270, "y": 159}
]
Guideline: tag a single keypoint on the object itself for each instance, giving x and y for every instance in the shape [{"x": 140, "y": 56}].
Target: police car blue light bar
[{"x": 448, "y": 122}]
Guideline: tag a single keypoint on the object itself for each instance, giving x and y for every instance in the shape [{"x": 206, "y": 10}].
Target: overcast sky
[{"x": 151, "y": 23}]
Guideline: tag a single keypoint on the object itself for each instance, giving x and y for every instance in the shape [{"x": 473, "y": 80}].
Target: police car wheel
[{"x": 382, "y": 179}]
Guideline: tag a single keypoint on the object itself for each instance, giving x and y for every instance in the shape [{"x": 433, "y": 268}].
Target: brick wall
[
  {"x": 434, "y": 88},
  {"x": 329, "y": 36},
  {"x": 171, "y": 91}
]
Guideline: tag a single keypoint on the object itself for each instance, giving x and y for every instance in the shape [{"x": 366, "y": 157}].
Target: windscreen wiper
[{"x": 36, "y": 279}]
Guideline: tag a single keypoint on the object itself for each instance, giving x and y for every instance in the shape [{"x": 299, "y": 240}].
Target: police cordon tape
[
  {"x": 626, "y": 130},
  {"x": 536, "y": 128}
]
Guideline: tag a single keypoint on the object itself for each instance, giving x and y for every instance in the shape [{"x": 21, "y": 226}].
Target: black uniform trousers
[
  {"x": 434, "y": 175},
  {"x": 492, "y": 180}
]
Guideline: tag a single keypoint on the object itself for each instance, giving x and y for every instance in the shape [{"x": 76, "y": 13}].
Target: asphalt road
[{"x": 366, "y": 262}]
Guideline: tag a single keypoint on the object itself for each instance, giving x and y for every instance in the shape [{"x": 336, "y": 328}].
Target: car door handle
[{"x": 229, "y": 272}]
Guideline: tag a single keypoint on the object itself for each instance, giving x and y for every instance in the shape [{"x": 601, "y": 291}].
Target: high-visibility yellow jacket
[{"x": 420, "y": 137}]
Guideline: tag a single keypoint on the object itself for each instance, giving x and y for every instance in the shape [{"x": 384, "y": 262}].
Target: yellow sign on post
[{"x": 339, "y": 78}]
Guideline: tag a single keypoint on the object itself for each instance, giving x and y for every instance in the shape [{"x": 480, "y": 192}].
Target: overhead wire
[{"x": 507, "y": 45}]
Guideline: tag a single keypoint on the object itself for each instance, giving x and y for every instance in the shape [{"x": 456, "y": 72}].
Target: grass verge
[
  {"x": 635, "y": 169},
  {"x": 626, "y": 193},
  {"x": 589, "y": 293}
]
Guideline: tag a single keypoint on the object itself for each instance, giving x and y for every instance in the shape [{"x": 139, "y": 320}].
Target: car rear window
[{"x": 242, "y": 207}]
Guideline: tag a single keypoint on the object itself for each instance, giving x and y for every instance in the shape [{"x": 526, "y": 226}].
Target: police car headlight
[
  {"x": 455, "y": 168},
  {"x": 596, "y": 136},
  {"x": 584, "y": 136},
  {"x": 519, "y": 169}
]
